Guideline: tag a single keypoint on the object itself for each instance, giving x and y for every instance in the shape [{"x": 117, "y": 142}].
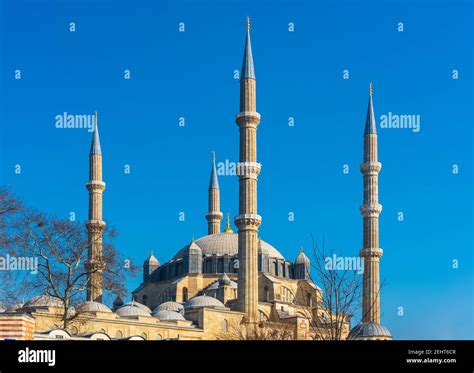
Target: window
[
  {"x": 309, "y": 300},
  {"x": 286, "y": 295},
  {"x": 225, "y": 326},
  {"x": 119, "y": 334},
  {"x": 159, "y": 337},
  {"x": 185, "y": 294}
]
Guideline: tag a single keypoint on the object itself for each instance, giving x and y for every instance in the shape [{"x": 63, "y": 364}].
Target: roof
[
  {"x": 370, "y": 125},
  {"x": 95, "y": 146},
  {"x": 302, "y": 258},
  {"x": 223, "y": 243},
  {"x": 368, "y": 329},
  {"x": 248, "y": 70},
  {"x": 203, "y": 301},
  {"x": 224, "y": 280},
  {"x": 214, "y": 182},
  {"x": 152, "y": 259}
]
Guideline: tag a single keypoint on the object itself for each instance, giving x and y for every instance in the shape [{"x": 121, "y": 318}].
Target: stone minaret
[
  {"x": 370, "y": 211},
  {"x": 95, "y": 225},
  {"x": 214, "y": 215},
  {"x": 248, "y": 220}
]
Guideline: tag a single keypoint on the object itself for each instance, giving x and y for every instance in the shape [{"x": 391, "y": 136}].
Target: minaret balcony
[
  {"x": 248, "y": 169},
  {"x": 371, "y": 252},
  {"x": 212, "y": 215},
  {"x": 370, "y": 168},
  {"x": 248, "y": 221},
  {"x": 95, "y": 185},
  {"x": 371, "y": 210},
  {"x": 247, "y": 119}
]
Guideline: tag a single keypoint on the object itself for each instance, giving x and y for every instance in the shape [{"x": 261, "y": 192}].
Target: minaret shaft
[
  {"x": 95, "y": 225},
  {"x": 248, "y": 169},
  {"x": 370, "y": 211}
]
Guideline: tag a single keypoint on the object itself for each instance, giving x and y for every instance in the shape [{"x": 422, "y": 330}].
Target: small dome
[
  {"x": 44, "y": 300},
  {"x": 91, "y": 306},
  {"x": 139, "y": 305},
  {"x": 168, "y": 315},
  {"x": 369, "y": 329},
  {"x": 203, "y": 301},
  {"x": 169, "y": 306},
  {"x": 132, "y": 309}
]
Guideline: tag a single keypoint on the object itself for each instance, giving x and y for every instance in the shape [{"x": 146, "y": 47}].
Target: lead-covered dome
[
  {"x": 90, "y": 306},
  {"x": 202, "y": 301},
  {"x": 131, "y": 309},
  {"x": 369, "y": 330},
  {"x": 169, "y": 306},
  {"x": 225, "y": 243},
  {"x": 168, "y": 316},
  {"x": 43, "y": 301}
]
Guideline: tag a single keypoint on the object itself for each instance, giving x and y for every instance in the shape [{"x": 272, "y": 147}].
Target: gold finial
[
  {"x": 370, "y": 89},
  {"x": 248, "y": 23},
  {"x": 228, "y": 229}
]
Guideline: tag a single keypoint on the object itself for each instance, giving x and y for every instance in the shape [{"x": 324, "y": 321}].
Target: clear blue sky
[{"x": 299, "y": 75}]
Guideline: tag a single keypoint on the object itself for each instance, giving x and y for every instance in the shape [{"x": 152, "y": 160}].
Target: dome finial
[{"x": 228, "y": 229}]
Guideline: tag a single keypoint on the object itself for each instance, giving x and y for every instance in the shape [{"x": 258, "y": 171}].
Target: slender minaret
[
  {"x": 214, "y": 215},
  {"x": 95, "y": 225},
  {"x": 370, "y": 210},
  {"x": 248, "y": 220}
]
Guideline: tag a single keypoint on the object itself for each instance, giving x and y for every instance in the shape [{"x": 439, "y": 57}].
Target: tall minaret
[
  {"x": 370, "y": 210},
  {"x": 248, "y": 220},
  {"x": 95, "y": 225},
  {"x": 214, "y": 215}
]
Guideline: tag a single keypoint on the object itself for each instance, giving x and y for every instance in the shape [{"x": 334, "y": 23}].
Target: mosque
[{"x": 219, "y": 282}]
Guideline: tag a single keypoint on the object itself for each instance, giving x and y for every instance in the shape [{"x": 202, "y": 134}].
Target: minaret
[
  {"x": 370, "y": 210},
  {"x": 214, "y": 215},
  {"x": 95, "y": 225},
  {"x": 248, "y": 220}
]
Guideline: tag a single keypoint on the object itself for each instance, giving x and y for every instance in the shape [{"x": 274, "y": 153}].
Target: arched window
[
  {"x": 263, "y": 317},
  {"x": 309, "y": 300},
  {"x": 185, "y": 294},
  {"x": 266, "y": 294},
  {"x": 225, "y": 326},
  {"x": 118, "y": 334},
  {"x": 143, "y": 335},
  {"x": 159, "y": 337}
]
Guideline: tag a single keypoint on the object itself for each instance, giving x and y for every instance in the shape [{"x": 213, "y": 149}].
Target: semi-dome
[
  {"x": 224, "y": 243},
  {"x": 202, "y": 301},
  {"x": 169, "y": 306},
  {"x": 369, "y": 330},
  {"x": 131, "y": 309},
  {"x": 44, "y": 300},
  {"x": 168, "y": 315},
  {"x": 91, "y": 306}
]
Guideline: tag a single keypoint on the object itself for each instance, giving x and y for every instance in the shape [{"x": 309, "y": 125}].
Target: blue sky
[{"x": 299, "y": 74}]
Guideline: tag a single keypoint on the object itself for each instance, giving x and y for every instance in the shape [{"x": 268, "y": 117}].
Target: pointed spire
[
  {"x": 152, "y": 259},
  {"x": 214, "y": 182},
  {"x": 370, "y": 125},
  {"x": 248, "y": 71},
  {"x": 228, "y": 229},
  {"x": 302, "y": 258},
  {"x": 95, "y": 146}
]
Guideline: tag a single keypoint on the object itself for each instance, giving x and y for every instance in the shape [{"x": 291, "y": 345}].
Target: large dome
[{"x": 225, "y": 243}]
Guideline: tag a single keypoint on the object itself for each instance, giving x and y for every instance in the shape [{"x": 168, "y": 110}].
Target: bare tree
[{"x": 61, "y": 247}]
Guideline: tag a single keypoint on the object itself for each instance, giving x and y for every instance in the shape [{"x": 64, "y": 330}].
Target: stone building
[{"x": 221, "y": 281}]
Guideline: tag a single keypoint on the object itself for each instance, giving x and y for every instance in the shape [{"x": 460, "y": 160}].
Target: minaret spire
[
  {"x": 370, "y": 210},
  {"x": 95, "y": 225},
  {"x": 248, "y": 169},
  {"x": 214, "y": 215}
]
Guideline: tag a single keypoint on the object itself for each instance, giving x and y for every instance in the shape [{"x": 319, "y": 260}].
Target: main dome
[{"x": 225, "y": 243}]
